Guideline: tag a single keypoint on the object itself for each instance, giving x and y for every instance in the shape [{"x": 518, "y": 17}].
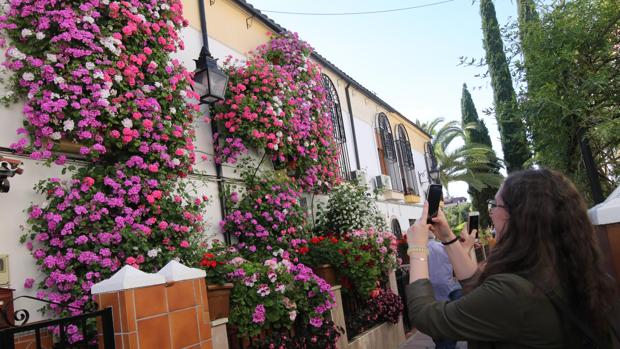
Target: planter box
[
  {"x": 412, "y": 199},
  {"x": 390, "y": 195},
  {"x": 219, "y": 300},
  {"x": 328, "y": 273}
]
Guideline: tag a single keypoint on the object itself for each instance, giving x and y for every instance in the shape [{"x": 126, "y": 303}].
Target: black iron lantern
[{"x": 211, "y": 81}]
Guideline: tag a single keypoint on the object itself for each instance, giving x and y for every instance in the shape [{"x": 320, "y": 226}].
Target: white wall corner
[
  {"x": 608, "y": 211},
  {"x": 127, "y": 278},
  {"x": 175, "y": 271}
]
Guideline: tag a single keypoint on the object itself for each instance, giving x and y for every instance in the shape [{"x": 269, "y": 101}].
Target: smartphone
[
  {"x": 473, "y": 222},
  {"x": 435, "y": 194}
]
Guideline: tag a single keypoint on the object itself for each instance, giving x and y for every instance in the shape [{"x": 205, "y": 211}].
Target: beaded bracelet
[{"x": 419, "y": 249}]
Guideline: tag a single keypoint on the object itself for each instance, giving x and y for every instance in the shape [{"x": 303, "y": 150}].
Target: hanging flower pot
[
  {"x": 67, "y": 146},
  {"x": 327, "y": 272},
  {"x": 219, "y": 300}
]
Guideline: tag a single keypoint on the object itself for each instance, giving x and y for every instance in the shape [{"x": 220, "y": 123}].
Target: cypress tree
[
  {"x": 527, "y": 19},
  {"x": 511, "y": 127},
  {"x": 479, "y": 135}
]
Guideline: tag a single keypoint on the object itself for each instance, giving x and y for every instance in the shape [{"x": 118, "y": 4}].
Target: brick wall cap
[
  {"x": 126, "y": 278},
  {"x": 175, "y": 271},
  {"x": 608, "y": 211}
]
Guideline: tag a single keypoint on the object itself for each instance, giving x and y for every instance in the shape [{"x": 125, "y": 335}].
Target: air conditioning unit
[
  {"x": 383, "y": 182},
  {"x": 359, "y": 176}
]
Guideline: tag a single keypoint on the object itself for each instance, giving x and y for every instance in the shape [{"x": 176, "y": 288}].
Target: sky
[{"x": 409, "y": 58}]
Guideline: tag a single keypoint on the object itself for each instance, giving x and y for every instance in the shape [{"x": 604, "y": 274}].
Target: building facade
[{"x": 379, "y": 146}]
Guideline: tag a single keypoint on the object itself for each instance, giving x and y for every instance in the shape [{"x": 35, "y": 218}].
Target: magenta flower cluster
[
  {"x": 276, "y": 101},
  {"x": 97, "y": 73},
  {"x": 278, "y": 293},
  {"x": 268, "y": 217},
  {"x": 90, "y": 227}
]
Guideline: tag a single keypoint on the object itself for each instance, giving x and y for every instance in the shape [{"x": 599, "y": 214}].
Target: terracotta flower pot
[
  {"x": 327, "y": 273},
  {"x": 219, "y": 300},
  {"x": 65, "y": 146}
]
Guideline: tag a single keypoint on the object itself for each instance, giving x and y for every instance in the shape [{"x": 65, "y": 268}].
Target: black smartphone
[
  {"x": 473, "y": 222},
  {"x": 435, "y": 193}
]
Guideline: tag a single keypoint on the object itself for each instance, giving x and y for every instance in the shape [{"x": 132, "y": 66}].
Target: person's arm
[
  {"x": 491, "y": 312},
  {"x": 417, "y": 238},
  {"x": 464, "y": 266}
]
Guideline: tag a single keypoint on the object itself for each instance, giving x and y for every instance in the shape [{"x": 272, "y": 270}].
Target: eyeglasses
[{"x": 491, "y": 204}]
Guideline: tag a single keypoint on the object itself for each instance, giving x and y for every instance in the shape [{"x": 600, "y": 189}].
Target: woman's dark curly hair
[{"x": 550, "y": 241}]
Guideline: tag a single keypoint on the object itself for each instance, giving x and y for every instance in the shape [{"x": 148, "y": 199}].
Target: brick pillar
[
  {"x": 164, "y": 310},
  {"x": 337, "y": 315}
]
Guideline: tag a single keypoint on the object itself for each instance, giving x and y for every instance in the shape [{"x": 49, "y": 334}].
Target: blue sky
[{"x": 408, "y": 58}]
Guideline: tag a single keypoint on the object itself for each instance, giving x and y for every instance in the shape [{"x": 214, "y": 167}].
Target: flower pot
[
  {"x": 219, "y": 300},
  {"x": 65, "y": 146},
  {"x": 327, "y": 273}
]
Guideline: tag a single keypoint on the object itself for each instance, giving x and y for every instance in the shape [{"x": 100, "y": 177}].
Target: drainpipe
[
  {"x": 357, "y": 156},
  {"x": 218, "y": 167}
]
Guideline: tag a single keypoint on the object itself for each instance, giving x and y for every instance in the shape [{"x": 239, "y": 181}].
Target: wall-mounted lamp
[
  {"x": 211, "y": 81},
  {"x": 8, "y": 168}
]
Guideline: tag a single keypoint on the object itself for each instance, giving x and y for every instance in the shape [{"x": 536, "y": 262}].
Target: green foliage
[
  {"x": 350, "y": 207},
  {"x": 478, "y": 133},
  {"x": 511, "y": 127},
  {"x": 457, "y": 216},
  {"x": 468, "y": 163},
  {"x": 572, "y": 67}
]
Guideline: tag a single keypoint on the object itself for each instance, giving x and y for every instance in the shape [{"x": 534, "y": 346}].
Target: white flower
[
  {"x": 98, "y": 75},
  {"x": 51, "y": 57},
  {"x": 292, "y": 315},
  {"x": 157, "y": 84},
  {"x": 17, "y": 54},
  {"x": 164, "y": 7},
  {"x": 104, "y": 94},
  {"x": 28, "y": 76},
  {"x": 89, "y": 19},
  {"x": 183, "y": 93},
  {"x": 118, "y": 78},
  {"x": 275, "y": 147},
  {"x": 173, "y": 110},
  {"x": 153, "y": 253},
  {"x": 55, "y": 136},
  {"x": 40, "y": 36},
  {"x": 279, "y": 134},
  {"x": 26, "y": 33},
  {"x": 176, "y": 161},
  {"x": 68, "y": 125},
  {"x": 55, "y": 95},
  {"x": 127, "y": 123},
  {"x": 105, "y": 2},
  {"x": 59, "y": 80},
  {"x": 90, "y": 65}
]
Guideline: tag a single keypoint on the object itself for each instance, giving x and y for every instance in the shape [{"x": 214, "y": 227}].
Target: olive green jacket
[{"x": 504, "y": 312}]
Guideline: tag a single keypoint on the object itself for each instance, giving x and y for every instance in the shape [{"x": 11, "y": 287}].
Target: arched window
[
  {"x": 402, "y": 247},
  {"x": 405, "y": 156},
  {"x": 387, "y": 152},
  {"x": 338, "y": 127},
  {"x": 396, "y": 229}
]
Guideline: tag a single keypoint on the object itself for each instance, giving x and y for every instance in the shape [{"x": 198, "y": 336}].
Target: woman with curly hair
[{"x": 543, "y": 285}]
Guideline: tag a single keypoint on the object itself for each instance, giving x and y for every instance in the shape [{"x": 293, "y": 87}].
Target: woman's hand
[
  {"x": 417, "y": 234},
  {"x": 468, "y": 240},
  {"x": 440, "y": 227}
]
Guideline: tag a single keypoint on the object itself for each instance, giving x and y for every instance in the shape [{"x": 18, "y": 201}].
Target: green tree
[
  {"x": 476, "y": 132},
  {"x": 467, "y": 162},
  {"x": 572, "y": 72},
  {"x": 511, "y": 127}
]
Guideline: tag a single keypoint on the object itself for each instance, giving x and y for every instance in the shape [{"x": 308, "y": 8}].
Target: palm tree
[{"x": 469, "y": 162}]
